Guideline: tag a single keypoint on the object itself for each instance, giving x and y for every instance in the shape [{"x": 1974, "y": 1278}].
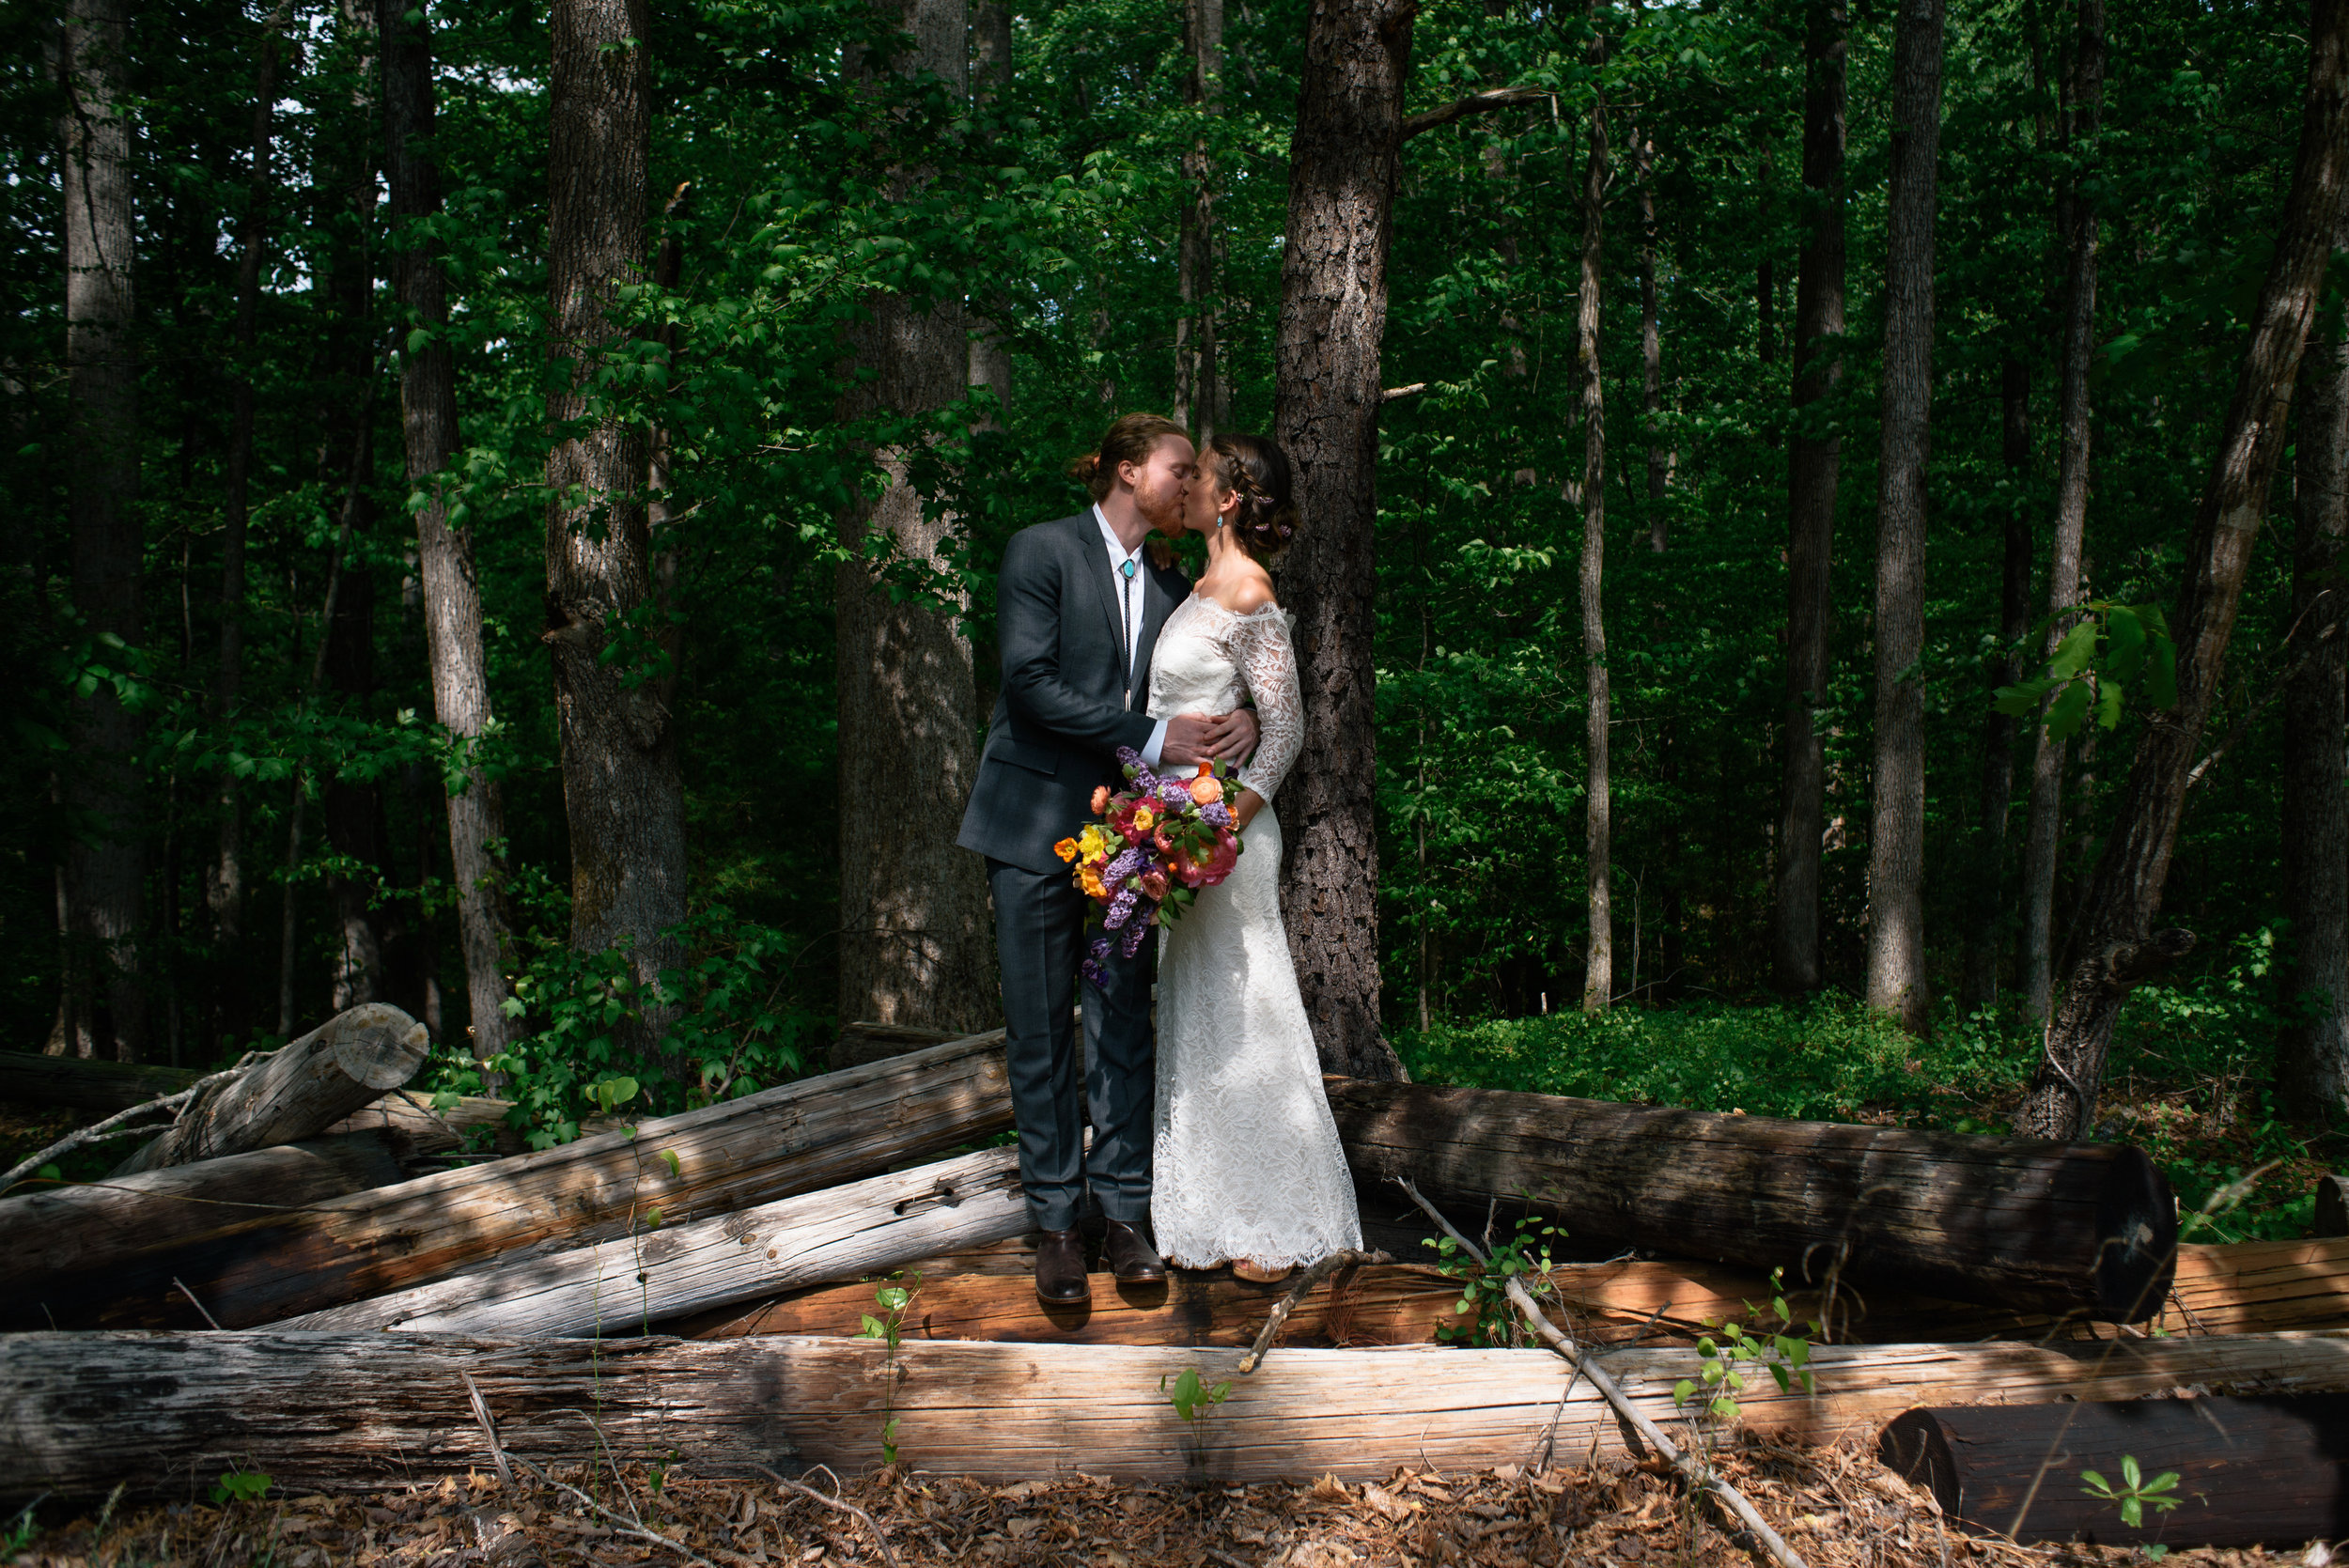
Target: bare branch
[
  {"x": 112, "y": 1127},
  {"x": 880, "y": 1540},
  {"x": 1393, "y": 393},
  {"x": 1343, "y": 1258},
  {"x": 1477, "y": 103}
]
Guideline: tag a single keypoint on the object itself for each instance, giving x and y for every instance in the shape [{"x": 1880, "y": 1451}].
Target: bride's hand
[{"x": 1245, "y": 808}]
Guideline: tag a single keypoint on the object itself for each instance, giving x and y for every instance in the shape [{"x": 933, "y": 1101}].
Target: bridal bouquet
[{"x": 1150, "y": 851}]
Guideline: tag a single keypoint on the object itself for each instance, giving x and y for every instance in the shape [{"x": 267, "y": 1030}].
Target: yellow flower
[
  {"x": 1144, "y": 818},
  {"x": 1091, "y": 841},
  {"x": 1090, "y": 880},
  {"x": 1066, "y": 850}
]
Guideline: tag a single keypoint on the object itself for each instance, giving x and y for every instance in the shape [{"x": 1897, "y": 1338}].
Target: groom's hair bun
[
  {"x": 1259, "y": 470},
  {"x": 1132, "y": 439}
]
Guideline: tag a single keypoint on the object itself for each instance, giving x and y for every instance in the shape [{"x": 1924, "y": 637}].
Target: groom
[{"x": 1079, "y": 605}]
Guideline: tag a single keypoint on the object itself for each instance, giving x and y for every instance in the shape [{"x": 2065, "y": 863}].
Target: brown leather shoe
[
  {"x": 1059, "y": 1269},
  {"x": 1134, "y": 1261}
]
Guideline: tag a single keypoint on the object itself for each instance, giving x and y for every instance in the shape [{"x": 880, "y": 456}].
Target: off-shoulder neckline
[{"x": 1267, "y": 607}]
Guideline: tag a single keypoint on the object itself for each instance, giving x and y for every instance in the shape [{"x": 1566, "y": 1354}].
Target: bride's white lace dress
[{"x": 1247, "y": 1163}]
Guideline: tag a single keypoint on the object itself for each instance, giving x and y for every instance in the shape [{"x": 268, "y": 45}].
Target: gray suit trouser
[{"x": 1040, "y": 937}]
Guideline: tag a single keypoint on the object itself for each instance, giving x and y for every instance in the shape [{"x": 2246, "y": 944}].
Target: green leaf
[
  {"x": 1683, "y": 1391},
  {"x": 2108, "y": 699},
  {"x": 2097, "y": 1485},
  {"x": 2073, "y": 654},
  {"x": 2068, "y": 711},
  {"x": 2124, "y": 645},
  {"x": 893, "y": 1298},
  {"x": 874, "y": 1328},
  {"x": 2161, "y": 671},
  {"x": 670, "y": 1156}
]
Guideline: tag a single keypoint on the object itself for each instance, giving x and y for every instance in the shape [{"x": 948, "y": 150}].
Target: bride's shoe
[{"x": 1256, "y": 1274}]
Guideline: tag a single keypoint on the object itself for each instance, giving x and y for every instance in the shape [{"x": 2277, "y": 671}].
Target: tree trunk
[
  {"x": 2313, "y": 1052},
  {"x": 106, "y": 866},
  {"x": 851, "y": 1232},
  {"x": 1652, "y": 344},
  {"x": 2044, "y": 817},
  {"x": 1197, "y": 376},
  {"x": 621, "y": 787},
  {"x": 2057, "y": 1227},
  {"x": 1988, "y": 915},
  {"x": 2116, "y": 947},
  {"x": 1598, "y": 974},
  {"x": 1896, "y": 835},
  {"x": 2256, "y": 1470},
  {"x": 1813, "y": 466},
  {"x": 354, "y": 810},
  {"x": 1344, "y": 157},
  {"x": 990, "y": 84},
  {"x": 800, "y": 1137},
  {"x": 224, "y": 889},
  {"x": 295, "y": 1092},
  {"x": 916, "y": 943},
  {"x": 445, "y": 548},
  {"x": 365, "y": 1411}
]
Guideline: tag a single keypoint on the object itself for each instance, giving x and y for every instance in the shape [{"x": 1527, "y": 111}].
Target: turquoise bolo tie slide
[{"x": 1129, "y": 568}]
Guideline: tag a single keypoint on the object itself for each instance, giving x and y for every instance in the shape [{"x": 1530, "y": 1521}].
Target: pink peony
[{"x": 1154, "y": 883}]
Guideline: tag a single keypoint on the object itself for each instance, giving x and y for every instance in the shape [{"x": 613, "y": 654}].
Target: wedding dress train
[{"x": 1246, "y": 1162}]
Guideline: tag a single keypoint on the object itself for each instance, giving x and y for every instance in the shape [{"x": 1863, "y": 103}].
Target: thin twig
[
  {"x": 1694, "y": 1470},
  {"x": 107, "y": 1128},
  {"x": 194, "y": 1302},
  {"x": 489, "y": 1428},
  {"x": 1345, "y": 1258},
  {"x": 624, "y": 1526},
  {"x": 879, "y": 1539}
]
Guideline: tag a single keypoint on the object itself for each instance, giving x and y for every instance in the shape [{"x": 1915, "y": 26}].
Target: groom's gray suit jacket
[{"x": 1066, "y": 705}]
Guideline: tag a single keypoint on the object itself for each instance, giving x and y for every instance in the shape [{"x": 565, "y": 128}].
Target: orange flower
[
  {"x": 1100, "y": 799},
  {"x": 1066, "y": 850},
  {"x": 1206, "y": 789}
]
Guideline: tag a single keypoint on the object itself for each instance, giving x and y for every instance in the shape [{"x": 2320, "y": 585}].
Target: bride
[{"x": 1247, "y": 1167}]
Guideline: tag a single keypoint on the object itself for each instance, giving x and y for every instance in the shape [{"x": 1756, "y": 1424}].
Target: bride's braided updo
[{"x": 1258, "y": 471}]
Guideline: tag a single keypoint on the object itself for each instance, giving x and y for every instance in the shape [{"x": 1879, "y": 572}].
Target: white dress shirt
[{"x": 1120, "y": 558}]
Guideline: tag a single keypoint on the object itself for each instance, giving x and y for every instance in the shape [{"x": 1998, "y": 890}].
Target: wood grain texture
[
  {"x": 623, "y": 1286},
  {"x": 295, "y": 1092},
  {"x": 797, "y": 1138},
  {"x": 2000, "y": 1222},
  {"x": 2249, "y": 1470},
  {"x": 86, "y": 1225},
  {"x": 81, "y": 1412}
]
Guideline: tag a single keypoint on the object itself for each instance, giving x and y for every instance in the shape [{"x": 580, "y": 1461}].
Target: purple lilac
[
  {"x": 1216, "y": 814},
  {"x": 1121, "y": 908},
  {"x": 1175, "y": 795},
  {"x": 1128, "y": 863},
  {"x": 1134, "y": 936}
]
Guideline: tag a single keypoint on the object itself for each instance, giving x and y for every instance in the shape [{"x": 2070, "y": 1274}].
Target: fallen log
[
  {"x": 2250, "y": 1471},
  {"x": 428, "y": 1128},
  {"x": 81, "y": 1412},
  {"x": 87, "y": 1084},
  {"x": 295, "y": 1092},
  {"x": 2263, "y": 1286},
  {"x": 81, "y": 1225},
  {"x": 795, "y": 1137},
  {"x": 867, "y": 1227},
  {"x": 2052, "y": 1227}
]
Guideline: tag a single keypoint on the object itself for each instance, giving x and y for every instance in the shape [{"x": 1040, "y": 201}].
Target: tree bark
[
  {"x": 2312, "y": 1051},
  {"x": 353, "y": 809},
  {"x": 364, "y": 1411},
  {"x": 1343, "y": 158},
  {"x": 1896, "y": 837},
  {"x": 851, "y": 1232},
  {"x": 295, "y": 1092},
  {"x": 622, "y": 790},
  {"x": 224, "y": 886},
  {"x": 106, "y": 864},
  {"x": 1598, "y": 972},
  {"x": 1198, "y": 378},
  {"x": 801, "y": 1137},
  {"x": 2256, "y": 1470},
  {"x": 445, "y": 546},
  {"x": 1987, "y": 917},
  {"x": 1814, "y": 465},
  {"x": 1652, "y": 344},
  {"x": 917, "y": 942},
  {"x": 2117, "y": 947},
  {"x": 990, "y": 86},
  {"x": 2077, "y": 124},
  {"x": 2010, "y": 1222}
]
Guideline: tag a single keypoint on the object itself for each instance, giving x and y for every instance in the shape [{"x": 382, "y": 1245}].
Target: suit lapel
[{"x": 1098, "y": 572}]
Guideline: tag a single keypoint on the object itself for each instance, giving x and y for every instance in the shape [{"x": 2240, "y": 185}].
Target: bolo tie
[{"x": 1125, "y": 569}]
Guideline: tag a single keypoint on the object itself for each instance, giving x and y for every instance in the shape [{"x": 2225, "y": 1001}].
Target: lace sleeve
[{"x": 1260, "y": 647}]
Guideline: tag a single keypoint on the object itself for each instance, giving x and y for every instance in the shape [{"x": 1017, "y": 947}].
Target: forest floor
[{"x": 1838, "y": 1508}]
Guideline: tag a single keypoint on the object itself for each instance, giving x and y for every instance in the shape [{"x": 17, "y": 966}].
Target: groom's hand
[{"x": 1195, "y": 737}]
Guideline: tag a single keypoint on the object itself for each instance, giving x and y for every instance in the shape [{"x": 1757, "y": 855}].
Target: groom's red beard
[{"x": 1161, "y": 508}]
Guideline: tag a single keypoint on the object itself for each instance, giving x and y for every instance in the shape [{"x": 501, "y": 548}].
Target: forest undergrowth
[
  {"x": 1837, "y": 1506},
  {"x": 2191, "y": 1078}
]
